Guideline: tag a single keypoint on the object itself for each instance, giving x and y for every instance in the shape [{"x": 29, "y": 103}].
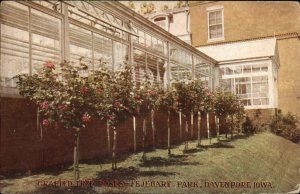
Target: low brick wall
[{"x": 24, "y": 146}]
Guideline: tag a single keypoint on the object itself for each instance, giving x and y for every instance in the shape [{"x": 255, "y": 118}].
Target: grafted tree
[
  {"x": 227, "y": 105},
  {"x": 147, "y": 100},
  {"x": 168, "y": 102},
  {"x": 119, "y": 103},
  {"x": 185, "y": 104},
  {"x": 199, "y": 99},
  {"x": 64, "y": 98}
]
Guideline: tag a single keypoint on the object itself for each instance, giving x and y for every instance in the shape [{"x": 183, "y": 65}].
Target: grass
[{"x": 262, "y": 157}]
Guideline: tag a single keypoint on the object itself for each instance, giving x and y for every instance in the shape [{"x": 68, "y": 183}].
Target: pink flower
[
  {"x": 46, "y": 122},
  {"x": 49, "y": 65},
  {"x": 62, "y": 107},
  {"x": 83, "y": 90},
  {"x": 109, "y": 117},
  {"x": 153, "y": 93},
  {"x": 44, "y": 105},
  {"x": 117, "y": 104},
  {"x": 86, "y": 118},
  {"x": 99, "y": 90}
]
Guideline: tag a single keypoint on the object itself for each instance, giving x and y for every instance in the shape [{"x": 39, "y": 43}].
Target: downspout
[{"x": 187, "y": 25}]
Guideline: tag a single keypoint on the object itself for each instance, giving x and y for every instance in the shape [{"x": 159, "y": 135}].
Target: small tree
[
  {"x": 220, "y": 107},
  {"x": 63, "y": 98},
  {"x": 101, "y": 80},
  {"x": 120, "y": 105},
  {"x": 227, "y": 104},
  {"x": 199, "y": 98},
  {"x": 168, "y": 101},
  {"x": 234, "y": 108},
  {"x": 146, "y": 97},
  {"x": 207, "y": 107},
  {"x": 185, "y": 103}
]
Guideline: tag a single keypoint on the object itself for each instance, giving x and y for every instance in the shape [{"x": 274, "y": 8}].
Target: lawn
[{"x": 264, "y": 162}]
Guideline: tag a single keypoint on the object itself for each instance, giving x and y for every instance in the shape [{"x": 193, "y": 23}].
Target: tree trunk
[
  {"x": 169, "y": 135},
  {"x": 218, "y": 127},
  {"x": 226, "y": 127},
  {"x": 134, "y": 134},
  {"x": 153, "y": 129},
  {"x": 186, "y": 146},
  {"x": 114, "y": 160},
  {"x": 108, "y": 137},
  {"x": 192, "y": 125},
  {"x": 37, "y": 119},
  {"x": 76, "y": 154},
  {"x": 144, "y": 139},
  {"x": 180, "y": 126},
  {"x": 231, "y": 128},
  {"x": 208, "y": 130},
  {"x": 199, "y": 128}
]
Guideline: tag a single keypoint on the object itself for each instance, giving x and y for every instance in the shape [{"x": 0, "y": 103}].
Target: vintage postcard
[{"x": 149, "y": 97}]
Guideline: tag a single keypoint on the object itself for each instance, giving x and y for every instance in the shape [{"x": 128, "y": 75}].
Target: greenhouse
[{"x": 94, "y": 32}]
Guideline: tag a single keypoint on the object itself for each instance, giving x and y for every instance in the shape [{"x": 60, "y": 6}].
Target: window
[
  {"x": 250, "y": 82},
  {"x": 28, "y": 39},
  {"x": 120, "y": 55},
  {"x": 215, "y": 25},
  {"x": 161, "y": 22}
]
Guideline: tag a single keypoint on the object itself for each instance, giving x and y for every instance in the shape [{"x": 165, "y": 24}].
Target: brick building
[{"x": 257, "y": 47}]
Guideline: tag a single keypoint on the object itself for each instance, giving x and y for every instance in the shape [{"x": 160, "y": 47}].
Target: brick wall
[{"x": 23, "y": 146}]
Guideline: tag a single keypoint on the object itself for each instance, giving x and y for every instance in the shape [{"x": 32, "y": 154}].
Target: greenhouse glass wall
[{"x": 33, "y": 32}]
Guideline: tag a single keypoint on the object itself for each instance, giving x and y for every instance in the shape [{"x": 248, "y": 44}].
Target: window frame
[
  {"x": 269, "y": 74},
  {"x": 208, "y": 24},
  {"x": 161, "y": 19}
]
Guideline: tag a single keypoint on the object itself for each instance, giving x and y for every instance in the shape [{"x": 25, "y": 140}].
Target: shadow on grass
[
  {"x": 236, "y": 137},
  {"x": 61, "y": 168},
  {"x": 178, "y": 156},
  {"x": 171, "y": 161},
  {"x": 129, "y": 173},
  {"x": 216, "y": 145},
  {"x": 106, "y": 159},
  {"x": 191, "y": 151},
  {"x": 51, "y": 170}
]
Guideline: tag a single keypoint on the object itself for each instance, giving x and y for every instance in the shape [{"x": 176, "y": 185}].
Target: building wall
[
  {"x": 178, "y": 22},
  {"x": 24, "y": 147},
  {"x": 179, "y": 26},
  {"x": 289, "y": 75},
  {"x": 244, "y": 20},
  {"x": 251, "y": 20}
]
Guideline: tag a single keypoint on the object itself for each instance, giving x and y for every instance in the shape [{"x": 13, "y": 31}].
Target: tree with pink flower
[
  {"x": 200, "y": 95},
  {"x": 114, "y": 100},
  {"x": 226, "y": 104},
  {"x": 185, "y": 96},
  {"x": 168, "y": 102},
  {"x": 63, "y": 98},
  {"x": 147, "y": 100}
]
